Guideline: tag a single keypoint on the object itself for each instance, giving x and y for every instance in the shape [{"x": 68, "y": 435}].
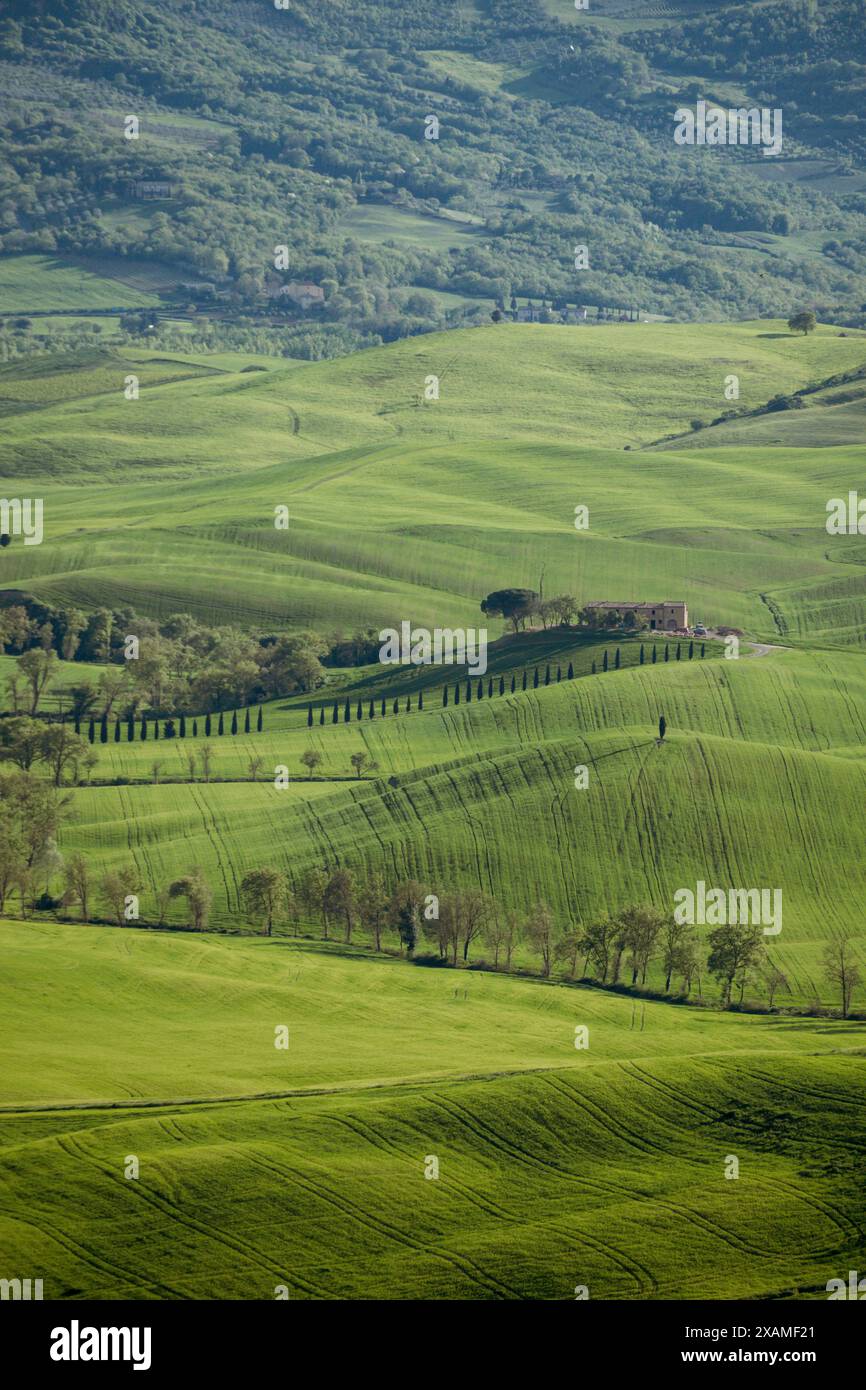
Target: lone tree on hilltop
[
  {"x": 663, "y": 724},
  {"x": 515, "y": 605},
  {"x": 804, "y": 322}
]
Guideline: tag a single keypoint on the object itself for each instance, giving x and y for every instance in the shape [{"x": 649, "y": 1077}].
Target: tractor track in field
[
  {"x": 378, "y": 1141},
  {"x": 237, "y": 1246},
  {"x": 380, "y": 1227},
  {"x": 490, "y": 1138},
  {"x": 89, "y": 1257},
  {"x": 148, "y": 1105},
  {"x": 213, "y": 834},
  {"x": 848, "y": 1227}
]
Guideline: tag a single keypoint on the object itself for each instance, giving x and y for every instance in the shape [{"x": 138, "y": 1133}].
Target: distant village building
[
  {"x": 302, "y": 293},
  {"x": 666, "y": 617},
  {"x": 146, "y": 189}
]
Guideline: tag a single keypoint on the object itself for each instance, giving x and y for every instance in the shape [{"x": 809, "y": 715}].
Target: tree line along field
[
  {"x": 304, "y": 1167},
  {"x": 759, "y": 782}
]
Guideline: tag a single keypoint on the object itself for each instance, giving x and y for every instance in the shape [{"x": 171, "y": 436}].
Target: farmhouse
[
  {"x": 302, "y": 293},
  {"x": 146, "y": 189},
  {"x": 666, "y": 617}
]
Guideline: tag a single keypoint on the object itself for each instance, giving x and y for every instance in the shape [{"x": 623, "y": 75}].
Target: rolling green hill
[
  {"x": 167, "y": 502},
  {"x": 558, "y": 1167},
  {"x": 759, "y": 783},
  {"x": 305, "y": 1167}
]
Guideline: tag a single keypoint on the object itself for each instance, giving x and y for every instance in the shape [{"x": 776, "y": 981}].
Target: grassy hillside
[
  {"x": 758, "y": 784},
  {"x": 369, "y": 471},
  {"x": 557, "y": 1166},
  {"x": 36, "y": 283}
]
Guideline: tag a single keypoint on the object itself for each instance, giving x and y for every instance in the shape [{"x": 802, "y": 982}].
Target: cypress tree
[
  {"x": 547, "y": 674},
  {"x": 77, "y": 725},
  {"x": 396, "y": 708},
  {"x": 420, "y": 699},
  {"x": 143, "y": 728},
  {"x": 667, "y": 651},
  {"x": 479, "y": 693},
  {"x": 91, "y": 731},
  {"x": 207, "y": 725},
  {"x": 359, "y": 713},
  {"x": 570, "y": 671},
  {"x": 593, "y": 667},
  {"x": 130, "y": 729},
  {"x": 371, "y": 713},
  {"x": 457, "y": 694},
  {"x": 523, "y": 687},
  {"x": 468, "y": 692},
  {"x": 558, "y": 674},
  {"x": 382, "y": 710},
  {"x": 335, "y": 717},
  {"x": 156, "y": 728},
  {"x": 247, "y": 720},
  {"x": 691, "y": 650},
  {"x": 616, "y": 659},
  {"x": 535, "y": 679},
  {"x": 259, "y": 720},
  {"x": 502, "y": 685},
  {"x": 221, "y": 725},
  {"x": 703, "y": 650},
  {"x": 655, "y": 654},
  {"x": 309, "y": 718},
  {"x": 347, "y": 713},
  {"x": 183, "y": 726},
  {"x": 321, "y": 715},
  {"x": 604, "y": 664},
  {"x": 490, "y": 687},
  {"x": 641, "y": 654},
  {"x": 117, "y": 731},
  {"x": 103, "y": 729},
  {"x": 678, "y": 651},
  {"x": 408, "y": 704},
  {"x": 444, "y": 696},
  {"x": 195, "y": 728}
]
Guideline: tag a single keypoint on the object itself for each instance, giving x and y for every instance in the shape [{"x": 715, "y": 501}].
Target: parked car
[{"x": 700, "y": 630}]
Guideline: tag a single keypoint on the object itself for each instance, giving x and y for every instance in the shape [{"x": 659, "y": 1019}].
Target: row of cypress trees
[
  {"x": 492, "y": 687},
  {"x": 171, "y": 728},
  {"x": 605, "y": 665}
]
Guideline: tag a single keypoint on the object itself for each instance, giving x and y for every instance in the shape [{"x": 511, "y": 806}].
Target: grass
[
  {"x": 31, "y": 283},
  {"x": 759, "y": 783},
  {"x": 383, "y": 223},
  {"x": 560, "y": 1166},
  {"x": 369, "y": 472}
]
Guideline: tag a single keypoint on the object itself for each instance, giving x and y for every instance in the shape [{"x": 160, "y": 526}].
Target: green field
[
  {"x": 305, "y": 1167},
  {"x": 558, "y": 1166},
  {"x": 369, "y": 470},
  {"x": 382, "y": 223},
  {"x": 48, "y": 282}
]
